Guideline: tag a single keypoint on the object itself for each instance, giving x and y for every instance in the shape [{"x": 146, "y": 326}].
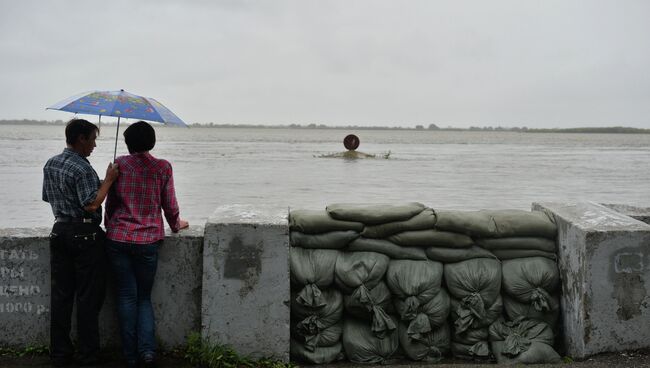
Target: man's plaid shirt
[
  {"x": 133, "y": 208},
  {"x": 69, "y": 184}
]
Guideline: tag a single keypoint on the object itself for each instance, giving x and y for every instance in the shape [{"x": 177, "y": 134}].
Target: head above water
[
  {"x": 80, "y": 136},
  {"x": 140, "y": 137}
]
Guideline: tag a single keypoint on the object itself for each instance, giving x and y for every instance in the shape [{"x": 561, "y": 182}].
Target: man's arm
[{"x": 112, "y": 172}]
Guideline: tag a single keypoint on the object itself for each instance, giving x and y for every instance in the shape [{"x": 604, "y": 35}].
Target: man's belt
[{"x": 80, "y": 220}]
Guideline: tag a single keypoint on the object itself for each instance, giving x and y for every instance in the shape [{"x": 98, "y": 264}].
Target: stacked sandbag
[
  {"x": 369, "y": 332},
  {"x": 316, "y": 307},
  {"x": 530, "y": 289},
  {"x": 422, "y": 307},
  {"x": 474, "y": 286},
  {"x": 523, "y": 341}
]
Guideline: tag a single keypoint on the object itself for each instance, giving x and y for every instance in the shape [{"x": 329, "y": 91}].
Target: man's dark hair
[
  {"x": 79, "y": 127},
  {"x": 140, "y": 137}
]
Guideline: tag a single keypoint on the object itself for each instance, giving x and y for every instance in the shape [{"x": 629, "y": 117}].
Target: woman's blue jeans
[{"x": 134, "y": 269}]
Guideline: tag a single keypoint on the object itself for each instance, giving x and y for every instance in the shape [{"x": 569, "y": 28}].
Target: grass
[
  {"x": 29, "y": 351},
  {"x": 200, "y": 353}
]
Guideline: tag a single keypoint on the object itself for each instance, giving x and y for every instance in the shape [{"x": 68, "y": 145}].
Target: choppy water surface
[{"x": 461, "y": 170}]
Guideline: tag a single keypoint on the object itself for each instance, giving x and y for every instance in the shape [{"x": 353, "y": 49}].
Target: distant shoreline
[{"x": 431, "y": 127}]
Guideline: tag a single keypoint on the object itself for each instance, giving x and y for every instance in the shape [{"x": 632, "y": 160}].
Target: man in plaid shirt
[{"x": 77, "y": 257}]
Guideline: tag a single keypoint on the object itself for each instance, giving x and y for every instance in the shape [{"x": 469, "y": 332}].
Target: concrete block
[
  {"x": 246, "y": 280},
  {"x": 25, "y": 290},
  {"x": 638, "y": 213},
  {"x": 604, "y": 262}
]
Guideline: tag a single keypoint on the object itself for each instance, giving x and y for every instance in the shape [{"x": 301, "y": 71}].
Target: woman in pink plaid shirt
[{"x": 135, "y": 231}]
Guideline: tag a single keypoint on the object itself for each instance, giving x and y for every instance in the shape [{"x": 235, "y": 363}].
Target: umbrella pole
[{"x": 116, "y": 131}]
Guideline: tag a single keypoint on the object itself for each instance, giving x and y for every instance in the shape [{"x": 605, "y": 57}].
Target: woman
[{"x": 135, "y": 231}]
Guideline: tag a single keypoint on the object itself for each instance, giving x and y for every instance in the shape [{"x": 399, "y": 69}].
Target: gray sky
[{"x": 550, "y": 63}]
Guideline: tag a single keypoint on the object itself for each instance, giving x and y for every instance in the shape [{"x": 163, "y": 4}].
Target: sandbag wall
[{"x": 370, "y": 283}]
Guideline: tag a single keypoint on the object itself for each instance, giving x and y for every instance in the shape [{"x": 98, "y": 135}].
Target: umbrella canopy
[{"x": 120, "y": 104}]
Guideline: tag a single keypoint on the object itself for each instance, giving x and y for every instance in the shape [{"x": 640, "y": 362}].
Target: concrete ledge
[
  {"x": 246, "y": 280},
  {"x": 638, "y": 213},
  {"x": 25, "y": 289},
  {"x": 604, "y": 262}
]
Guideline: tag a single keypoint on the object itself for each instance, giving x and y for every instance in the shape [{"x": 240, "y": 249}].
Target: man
[{"x": 78, "y": 265}]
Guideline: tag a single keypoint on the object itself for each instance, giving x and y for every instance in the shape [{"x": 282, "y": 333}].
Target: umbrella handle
[{"x": 116, "y": 131}]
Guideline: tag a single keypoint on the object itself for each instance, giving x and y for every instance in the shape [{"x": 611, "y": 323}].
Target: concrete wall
[
  {"x": 604, "y": 264},
  {"x": 25, "y": 289},
  {"x": 246, "y": 280}
]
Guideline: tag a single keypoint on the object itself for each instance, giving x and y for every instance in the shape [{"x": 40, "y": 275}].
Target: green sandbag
[
  {"x": 470, "y": 336},
  {"x": 309, "y": 324},
  {"x": 362, "y": 346},
  {"x": 375, "y": 308},
  {"x": 431, "y": 238},
  {"x": 524, "y": 341},
  {"x": 321, "y": 355},
  {"x": 531, "y": 281},
  {"x": 327, "y": 336},
  {"x": 465, "y": 314},
  {"x": 477, "y": 282},
  {"x": 430, "y": 347},
  {"x": 422, "y": 221},
  {"x": 477, "y": 351},
  {"x": 453, "y": 255},
  {"x": 515, "y": 310},
  {"x": 537, "y": 353},
  {"x": 354, "y": 269},
  {"x": 392, "y": 250},
  {"x": 331, "y": 240},
  {"x": 414, "y": 283},
  {"x": 374, "y": 214},
  {"x": 519, "y": 243},
  {"x": 430, "y": 316},
  {"x": 506, "y": 254},
  {"x": 313, "y": 269},
  {"x": 319, "y": 222},
  {"x": 497, "y": 223}
]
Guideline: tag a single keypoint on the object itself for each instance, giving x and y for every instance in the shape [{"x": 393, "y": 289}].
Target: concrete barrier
[
  {"x": 25, "y": 289},
  {"x": 246, "y": 280},
  {"x": 604, "y": 265}
]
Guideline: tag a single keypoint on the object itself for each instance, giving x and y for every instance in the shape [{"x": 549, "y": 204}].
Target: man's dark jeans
[
  {"x": 78, "y": 273},
  {"x": 134, "y": 267}
]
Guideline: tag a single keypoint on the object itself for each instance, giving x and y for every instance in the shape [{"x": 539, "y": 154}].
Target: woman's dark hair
[
  {"x": 78, "y": 127},
  {"x": 140, "y": 137}
]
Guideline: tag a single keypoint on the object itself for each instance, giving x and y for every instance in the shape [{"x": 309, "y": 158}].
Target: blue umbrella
[{"x": 120, "y": 104}]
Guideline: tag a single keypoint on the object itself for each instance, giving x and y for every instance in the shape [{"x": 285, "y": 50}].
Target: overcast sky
[{"x": 453, "y": 63}]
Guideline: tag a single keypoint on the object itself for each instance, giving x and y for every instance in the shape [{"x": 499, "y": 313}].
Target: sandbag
[
  {"x": 516, "y": 310},
  {"x": 373, "y": 214},
  {"x": 477, "y": 351},
  {"x": 429, "y": 347},
  {"x": 362, "y": 346},
  {"x": 429, "y": 316},
  {"x": 319, "y": 222},
  {"x": 309, "y": 324},
  {"x": 431, "y": 238},
  {"x": 531, "y": 281},
  {"x": 467, "y": 314},
  {"x": 331, "y": 240},
  {"x": 506, "y": 254},
  {"x": 375, "y": 309},
  {"x": 528, "y": 243},
  {"x": 517, "y": 339},
  {"x": 392, "y": 250},
  {"x": 473, "y": 277},
  {"x": 355, "y": 269},
  {"x": 327, "y": 336},
  {"x": 320, "y": 355},
  {"x": 497, "y": 223},
  {"x": 453, "y": 255},
  {"x": 537, "y": 353},
  {"x": 470, "y": 336},
  {"x": 423, "y": 220},
  {"x": 312, "y": 269},
  {"x": 414, "y": 283}
]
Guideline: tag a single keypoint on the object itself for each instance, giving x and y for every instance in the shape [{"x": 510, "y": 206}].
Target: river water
[{"x": 442, "y": 169}]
